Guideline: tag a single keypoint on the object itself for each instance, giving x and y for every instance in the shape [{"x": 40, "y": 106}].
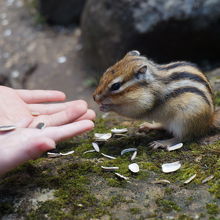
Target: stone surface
[
  {"x": 61, "y": 12},
  {"x": 163, "y": 30}
]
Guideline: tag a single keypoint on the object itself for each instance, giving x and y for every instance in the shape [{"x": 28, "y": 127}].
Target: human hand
[{"x": 25, "y": 144}]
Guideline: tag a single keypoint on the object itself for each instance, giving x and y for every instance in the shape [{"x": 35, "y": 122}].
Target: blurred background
[{"x": 66, "y": 45}]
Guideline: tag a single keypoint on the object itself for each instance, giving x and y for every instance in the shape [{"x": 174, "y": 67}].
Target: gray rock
[
  {"x": 163, "y": 30},
  {"x": 61, "y": 12}
]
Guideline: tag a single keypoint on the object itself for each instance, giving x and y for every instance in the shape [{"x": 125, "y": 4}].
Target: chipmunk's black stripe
[
  {"x": 187, "y": 75},
  {"x": 183, "y": 90},
  {"x": 177, "y": 64}
]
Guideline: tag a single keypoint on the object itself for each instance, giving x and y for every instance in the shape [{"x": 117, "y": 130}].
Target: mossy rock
[{"x": 75, "y": 186}]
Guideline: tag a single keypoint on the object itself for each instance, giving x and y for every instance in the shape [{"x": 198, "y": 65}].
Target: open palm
[{"x": 25, "y": 109}]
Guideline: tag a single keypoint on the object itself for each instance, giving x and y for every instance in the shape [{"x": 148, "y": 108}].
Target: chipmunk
[{"x": 178, "y": 96}]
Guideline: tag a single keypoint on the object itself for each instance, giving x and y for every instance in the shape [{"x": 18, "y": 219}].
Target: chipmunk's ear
[
  {"x": 133, "y": 53},
  {"x": 141, "y": 73}
]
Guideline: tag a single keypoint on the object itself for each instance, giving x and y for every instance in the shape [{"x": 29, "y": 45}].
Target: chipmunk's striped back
[{"x": 184, "y": 77}]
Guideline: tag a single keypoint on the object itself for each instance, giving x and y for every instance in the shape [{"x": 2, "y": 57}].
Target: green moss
[
  {"x": 212, "y": 209},
  {"x": 167, "y": 205},
  {"x": 135, "y": 211},
  {"x": 113, "y": 201},
  {"x": 71, "y": 176}
]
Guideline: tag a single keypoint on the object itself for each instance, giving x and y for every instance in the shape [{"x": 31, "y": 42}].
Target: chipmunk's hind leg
[
  {"x": 164, "y": 143},
  {"x": 146, "y": 127}
]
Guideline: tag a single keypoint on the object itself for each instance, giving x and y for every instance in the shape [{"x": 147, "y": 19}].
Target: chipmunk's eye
[{"x": 115, "y": 86}]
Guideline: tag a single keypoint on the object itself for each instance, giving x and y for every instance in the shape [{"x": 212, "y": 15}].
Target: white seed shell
[
  {"x": 119, "y": 131},
  {"x": 133, "y": 167},
  {"x": 96, "y": 147},
  {"x": 128, "y": 150},
  {"x": 109, "y": 168},
  {"x": 161, "y": 182},
  {"x": 171, "y": 167},
  {"x": 53, "y": 155},
  {"x": 190, "y": 179},
  {"x": 89, "y": 151},
  {"x": 121, "y": 176},
  {"x": 134, "y": 155},
  {"x": 67, "y": 153},
  {"x": 175, "y": 147},
  {"x": 102, "y": 137},
  {"x": 120, "y": 135},
  {"x": 208, "y": 179},
  {"x": 7, "y": 127},
  {"x": 108, "y": 156}
]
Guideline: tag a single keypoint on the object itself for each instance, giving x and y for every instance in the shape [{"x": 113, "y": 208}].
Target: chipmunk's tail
[{"x": 216, "y": 119}]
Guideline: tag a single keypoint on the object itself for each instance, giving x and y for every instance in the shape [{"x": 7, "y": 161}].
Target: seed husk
[
  {"x": 108, "y": 156},
  {"x": 161, "y": 182},
  {"x": 134, "y": 155},
  {"x": 190, "y": 179},
  {"x": 89, "y": 151},
  {"x": 119, "y": 130},
  {"x": 96, "y": 147},
  {"x": 109, "y": 168},
  {"x": 208, "y": 179},
  {"x": 128, "y": 150},
  {"x": 67, "y": 153},
  {"x": 53, "y": 155},
  {"x": 175, "y": 147},
  {"x": 41, "y": 125},
  {"x": 171, "y": 167},
  {"x": 121, "y": 176},
  {"x": 7, "y": 127},
  {"x": 133, "y": 167},
  {"x": 102, "y": 137}
]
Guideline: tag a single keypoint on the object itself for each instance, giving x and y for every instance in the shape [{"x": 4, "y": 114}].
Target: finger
[
  {"x": 40, "y": 96},
  {"x": 20, "y": 151},
  {"x": 47, "y": 109},
  {"x": 68, "y": 131},
  {"x": 69, "y": 115},
  {"x": 89, "y": 115}
]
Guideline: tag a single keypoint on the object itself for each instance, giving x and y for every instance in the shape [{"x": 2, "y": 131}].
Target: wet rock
[
  {"x": 61, "y": 12},
  {"x": 163, "y": 30}
]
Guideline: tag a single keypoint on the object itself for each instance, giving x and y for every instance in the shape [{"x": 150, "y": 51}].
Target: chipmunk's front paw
[
  {"x": 158, "y": 144},
  {"x": 146, "y": 127},
  {"x": 163, "y": 143}
]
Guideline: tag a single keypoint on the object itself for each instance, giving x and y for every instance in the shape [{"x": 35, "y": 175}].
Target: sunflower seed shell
[
  {"x": 171, "y": 167},
  {"x": 119, "y": 131},
  {"x": 109, "y": 168},
  {"x": 7, "y": 127},
  {"x": 133, "y": 167},
  {"x": 96, "y": 147},
  {"x": 128, "y": 150},
  {"x": 108, "y": 156},
  {"x": 121, "y": 176},
  {"x": 175, "y": 147}
]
